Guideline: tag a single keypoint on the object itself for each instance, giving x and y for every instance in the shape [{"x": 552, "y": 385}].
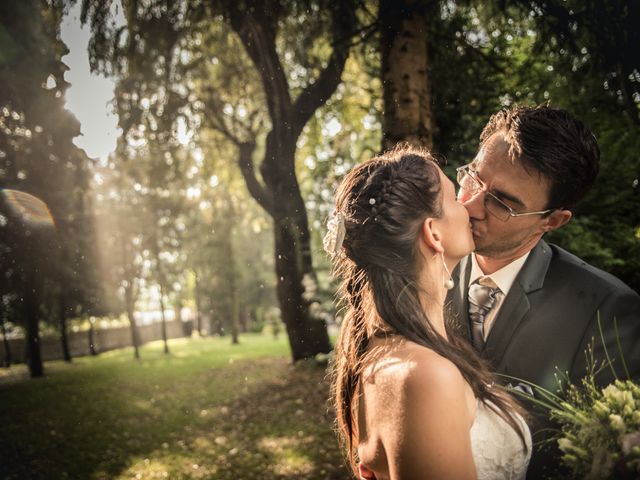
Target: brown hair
[
  {"x": 555, "y": 144},
  {"x": 384, "y": 202}
]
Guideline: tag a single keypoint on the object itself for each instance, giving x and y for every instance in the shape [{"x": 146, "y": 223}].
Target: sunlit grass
[{"x": 207, "y": 410}]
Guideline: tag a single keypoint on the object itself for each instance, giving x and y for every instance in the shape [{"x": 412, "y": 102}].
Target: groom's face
[{"x": 523, "y": 190}]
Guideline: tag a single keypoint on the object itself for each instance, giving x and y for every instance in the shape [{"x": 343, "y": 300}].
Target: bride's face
[{"x": 457, "y": 239}]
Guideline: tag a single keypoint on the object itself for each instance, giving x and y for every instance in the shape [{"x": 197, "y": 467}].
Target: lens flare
[{"x": 29, "y": 208}]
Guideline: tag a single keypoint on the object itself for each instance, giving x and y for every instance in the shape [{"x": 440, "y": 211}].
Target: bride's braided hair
[
  {"x": 379, "y": 201},
  {"x": 384, "y": 202}
]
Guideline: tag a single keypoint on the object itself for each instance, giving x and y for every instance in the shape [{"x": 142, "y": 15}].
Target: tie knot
[
  {"x": 483, "y": 296},
  {"x": 487, "y": 281}
]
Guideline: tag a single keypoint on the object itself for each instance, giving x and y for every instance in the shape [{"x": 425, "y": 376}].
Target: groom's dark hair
[{"x": 553, "y": 143}]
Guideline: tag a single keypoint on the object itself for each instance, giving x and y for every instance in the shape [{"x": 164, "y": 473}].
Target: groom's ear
[
  {"x": 556, "y": 219},
  {"x": 430, "y": 235}
]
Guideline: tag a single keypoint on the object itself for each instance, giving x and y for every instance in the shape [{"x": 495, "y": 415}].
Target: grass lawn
[{"x": 207, "y": 410}]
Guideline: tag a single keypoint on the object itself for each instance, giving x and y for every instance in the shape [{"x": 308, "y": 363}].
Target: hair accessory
[
  {"x": 448, "y": 282},
  {"x": 336, "y": 231},
  {"x": 372, "y": 201}
]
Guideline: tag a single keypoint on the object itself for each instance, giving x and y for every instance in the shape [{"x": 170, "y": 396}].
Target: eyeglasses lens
[
  {"x": 496, "y": 208},
  {"x": 468, "y": 183},
  {"x": 472, "y": 186}
]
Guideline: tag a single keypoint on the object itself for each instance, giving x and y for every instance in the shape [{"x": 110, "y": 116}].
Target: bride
[{"x": 413, "y": 400}]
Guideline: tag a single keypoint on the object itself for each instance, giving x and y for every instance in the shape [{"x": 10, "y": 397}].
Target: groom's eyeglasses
[{"x": 472, "y": 185}]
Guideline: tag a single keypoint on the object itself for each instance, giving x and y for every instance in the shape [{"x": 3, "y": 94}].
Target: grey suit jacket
[{"x": 549, "y": 318}]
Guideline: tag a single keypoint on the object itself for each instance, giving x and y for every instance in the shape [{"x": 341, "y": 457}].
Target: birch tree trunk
[{"x": 407, "y": 115}]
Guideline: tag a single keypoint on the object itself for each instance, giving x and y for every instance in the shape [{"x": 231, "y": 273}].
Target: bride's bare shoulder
[
  {"x": 414, "y": 415},
  {"x": 404, "y": 368}
]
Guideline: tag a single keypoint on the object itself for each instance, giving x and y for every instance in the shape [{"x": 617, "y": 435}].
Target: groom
[{"x": 531, "y": 308}]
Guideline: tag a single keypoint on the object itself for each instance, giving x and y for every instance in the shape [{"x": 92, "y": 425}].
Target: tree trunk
[
  {"x": 164, "y": 320},
  {"x": 92, "y": 344},
  {"x": 64, "y": 341},
  {"x": 129, "y": 306},
  {"x": 407, "y": 115},
  {"x": 234, "y": 311},
  {"x": 307, "y": 336},
  {"x": 215, "y": 325},
  {"x": 177, "y": 308},
  {"x": 130, "y": 291},
  {"x": 245, "y": 320},
  {"x": 196, "y": 294},
  {"x": 280, "y": 195},
  {"x": 7, "y": 350},
  {"x": 32, "y": 316},
  {"x": 161, "y": 284},
  {"x": 177, "y": 311},
  {"x": 293, "y": 262}
]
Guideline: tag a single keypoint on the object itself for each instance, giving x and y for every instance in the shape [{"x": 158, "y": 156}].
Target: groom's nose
[{"x": 474, "y": 205}]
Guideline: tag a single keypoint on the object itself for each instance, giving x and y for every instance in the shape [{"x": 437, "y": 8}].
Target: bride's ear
[{"x": 430, "y": 235}]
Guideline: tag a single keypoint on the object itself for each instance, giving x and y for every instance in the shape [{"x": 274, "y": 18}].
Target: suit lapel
[
  {"x": 516, "y": 304},
  {"x": 457, "y": 298}
]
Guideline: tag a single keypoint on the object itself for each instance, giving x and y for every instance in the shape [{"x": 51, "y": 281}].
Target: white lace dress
[{"x": 497, "y": 449}]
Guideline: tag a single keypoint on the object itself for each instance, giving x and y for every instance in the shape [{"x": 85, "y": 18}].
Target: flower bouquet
[{"x": 599, "y": 434}]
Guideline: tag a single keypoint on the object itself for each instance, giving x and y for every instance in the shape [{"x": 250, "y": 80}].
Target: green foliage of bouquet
[
  {"x": 599, "y": 434},
  {"x": 600, "y": 430}
]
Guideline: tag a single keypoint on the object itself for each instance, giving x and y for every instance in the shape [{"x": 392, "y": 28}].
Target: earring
[{"x": 448, "y": 282}]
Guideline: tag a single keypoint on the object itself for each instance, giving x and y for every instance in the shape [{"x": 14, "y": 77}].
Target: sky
[{"x": 89, "y": 96}]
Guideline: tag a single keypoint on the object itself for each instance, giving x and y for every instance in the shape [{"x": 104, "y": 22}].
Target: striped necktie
[{"x": 483, "y": 294}]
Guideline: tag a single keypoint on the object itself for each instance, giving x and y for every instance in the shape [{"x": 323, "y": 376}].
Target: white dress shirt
[{"x": 503, "y": 278}]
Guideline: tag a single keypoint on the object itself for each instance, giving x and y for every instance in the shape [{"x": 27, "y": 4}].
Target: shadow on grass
[
  {"x": 207, "y": 411},
  {"x": 280, "y": 429}
]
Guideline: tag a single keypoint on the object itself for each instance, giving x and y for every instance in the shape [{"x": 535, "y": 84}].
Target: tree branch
[
  {"x": 256, "y": 28},
  {"x": 258, "y": 191},
  {"x": 316, "y": 94}
]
